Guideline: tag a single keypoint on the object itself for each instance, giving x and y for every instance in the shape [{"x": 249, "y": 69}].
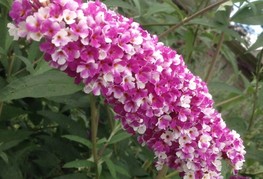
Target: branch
[
  {"x": 94, "y": 129},
  {"x": 162, "y": 173},
  {"x": 255, "y": 94},
  {"x": 211, "y": 67},
  {"x": 191, "y": 17}
]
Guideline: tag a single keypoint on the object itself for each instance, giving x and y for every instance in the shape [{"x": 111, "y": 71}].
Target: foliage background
[{"x": 45, "y": 119}]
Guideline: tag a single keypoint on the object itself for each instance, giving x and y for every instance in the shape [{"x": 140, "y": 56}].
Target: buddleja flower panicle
[{"x": 148, "y": 84}]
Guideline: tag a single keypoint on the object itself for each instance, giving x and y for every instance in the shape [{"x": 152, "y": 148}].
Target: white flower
[
  {"x": 13, "y": 31},
  {"x": 61, "y": 38},
  {"x": 189, "y": 175},
  {"x": 69, "y": 16},
  {"x": 185, "y": 101}
]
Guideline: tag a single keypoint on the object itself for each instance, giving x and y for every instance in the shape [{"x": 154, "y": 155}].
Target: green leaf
[
  {"x": 10, "y": 138},
  {"x": 254, "y": 153},
  {"x": 78, "y": 164},
  {"x": 10, "y": 144},
  {"x": 33, "y": 52},
  {"x": 223, "y": 87},
  {"x": 4, "y": 157},
  {"x": 28, "y": 63},
  {"x": 260, "y": 95},
  {"x": 65, "y": 123},
  {"x": 258, "y": 43},
  {"x": 117, "y": 3},
  {"x": 73, "y": 101},
  {"x": 250, "y": 13},
  {"x": 203, "y": 21},
  {"x": 237, "y": 123},
  {"x": 102, "y": 141},
  {"x": 73, "y": 176},
  {"x": 10, "y": 135},
  {"x": 10, "y": 111},
  {"x": 10, "y": 172},
  {"x": 119, "y": 137},
  {"x": 111, "y": 167},
  {"x": 80, "y": 140},
  {"x": 138, "y": 6},
  {"x": 157, "y": 8},
  {"x": 5, "y": 3},
  {"x": 122, "y": 171},
  {"x": 50, "y": 83},
  {"x": 2, "y": 51},
  {"x": 42, "y": 67}
]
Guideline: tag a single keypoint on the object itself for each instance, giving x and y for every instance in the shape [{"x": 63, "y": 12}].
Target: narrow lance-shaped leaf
[
  {"x": 111, "y": 167},
  {"x": 78, "y": 139},
  {"x": 78, "y": 164},
  {"x": 119, "y": 137}
]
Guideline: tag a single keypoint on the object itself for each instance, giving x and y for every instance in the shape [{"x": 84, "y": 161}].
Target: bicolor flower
[{"x": 148, "y": 85}]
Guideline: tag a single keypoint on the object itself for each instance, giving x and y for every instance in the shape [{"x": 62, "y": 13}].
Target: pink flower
[
  {"x": 49, "y": 28},
  {"x": 148, "y": 84},
  {"x": 61, "y": 38},
  {"x": 69, "y": 16}
]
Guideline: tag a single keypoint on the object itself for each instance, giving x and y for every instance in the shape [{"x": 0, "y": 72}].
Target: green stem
[
  {"x": 10, "y": 67},
  {"x": 94, "y": 129},
  {"x": 211, "y": 67},
  {"x": 194, "y": 41},
  {"x": 110, "y": 118},
  {"x": 228, "y": 100},
  {"x": 177, "y": 9},
  {"x": 158, "y": 24},
  {"x": 23, "y": 69},
  {"x": 255, "y": 94},
  {"x": 162, "y": 173},
  {"x": 114, "y": 131},
  {"x": 172, "y": 174},
  {"x": 192, "y": 17},
  {"x": 196, "y": 32},
  {"x": 1, "y": 108}
]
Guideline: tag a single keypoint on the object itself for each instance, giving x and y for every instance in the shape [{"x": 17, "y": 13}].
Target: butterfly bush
[{"x": 148, "y": 84}]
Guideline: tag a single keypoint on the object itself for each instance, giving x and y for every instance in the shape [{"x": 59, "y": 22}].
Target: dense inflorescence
[{"x": 148, "y": 84}]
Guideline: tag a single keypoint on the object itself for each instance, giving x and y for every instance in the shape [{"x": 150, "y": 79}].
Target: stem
[
  {"x": 196, "y": 32},
  {"x": 255, "y": 95},
  {"x": 158, "y": 24},
  {"x": 94, "y": 129},
  {"x": 195, "y": 37},
  {"x": 10, "y": 67},
  {"x": 110, "y": 118},
  {"x": 114, "y": 131},
  {"x": 228, "y": 100},
  {"x": 1, "y": 108},
  {"x": 220, "y": 43},
  {"x": 162, "y": 173},
  {"x": 172, "y": 174},
  {"x": 192, "y": 17},
  {"x": 23, "y": 69}
]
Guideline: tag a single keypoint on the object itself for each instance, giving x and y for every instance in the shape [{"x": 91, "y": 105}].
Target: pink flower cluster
[{"x": 148, "y": 84}]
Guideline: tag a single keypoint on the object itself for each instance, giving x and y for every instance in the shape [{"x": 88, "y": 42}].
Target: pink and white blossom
[{"x": 150, "y": 88}]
